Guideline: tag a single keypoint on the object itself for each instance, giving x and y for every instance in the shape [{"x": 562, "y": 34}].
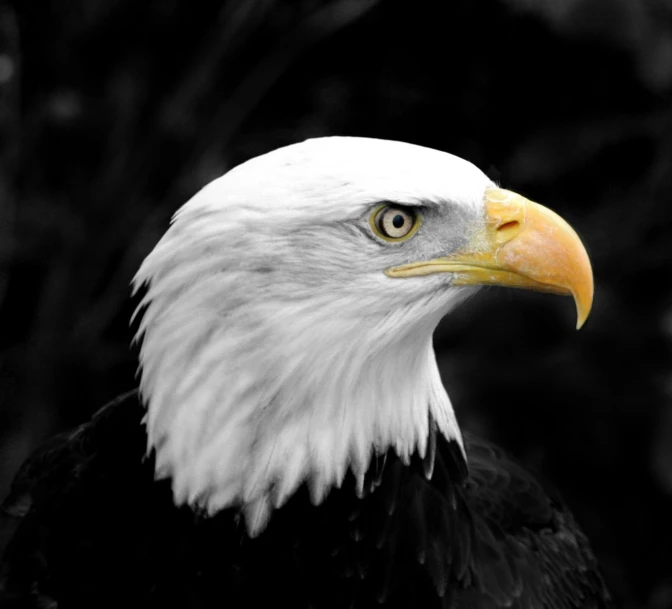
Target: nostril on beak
[
  {"x": 508, "y": 226},
  {"x": 507, "y": 231}
]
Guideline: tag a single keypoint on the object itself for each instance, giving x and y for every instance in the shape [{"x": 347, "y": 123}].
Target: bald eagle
[{"x": 291, "y": 442}]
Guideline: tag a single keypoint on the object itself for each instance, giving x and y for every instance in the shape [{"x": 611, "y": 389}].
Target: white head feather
[{"x": 275, "y": 351}]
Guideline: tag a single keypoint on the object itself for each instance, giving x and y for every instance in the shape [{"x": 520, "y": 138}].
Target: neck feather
[{"x": 241, "y": 414}]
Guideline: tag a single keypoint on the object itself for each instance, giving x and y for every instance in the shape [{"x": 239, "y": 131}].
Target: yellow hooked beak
[{"x": 522, "y": 245}]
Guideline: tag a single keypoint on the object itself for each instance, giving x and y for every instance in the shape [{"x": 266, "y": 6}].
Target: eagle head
[{"x": 289, "y": 309}]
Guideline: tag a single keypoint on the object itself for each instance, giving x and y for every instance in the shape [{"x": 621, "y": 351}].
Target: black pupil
[{"x": 398, "y": 221}]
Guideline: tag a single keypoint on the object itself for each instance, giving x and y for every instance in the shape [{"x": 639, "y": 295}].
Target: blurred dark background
[{"x": 113, "y": 113}]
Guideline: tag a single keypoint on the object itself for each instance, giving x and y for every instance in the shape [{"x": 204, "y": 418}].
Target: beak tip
[{"x": 582, "y": 311}]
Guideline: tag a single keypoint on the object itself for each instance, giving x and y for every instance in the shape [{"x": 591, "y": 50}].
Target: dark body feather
[{"x": 93, "y": 529}]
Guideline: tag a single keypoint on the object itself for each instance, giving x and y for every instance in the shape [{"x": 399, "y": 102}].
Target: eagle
[{"x": 291, "y": 442}]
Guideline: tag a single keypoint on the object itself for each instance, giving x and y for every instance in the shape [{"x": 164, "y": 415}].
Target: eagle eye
[{"x": 395, "y": 222}]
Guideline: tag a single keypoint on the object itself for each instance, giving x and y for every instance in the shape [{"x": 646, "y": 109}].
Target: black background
[{"x": 113, "y": 113}]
